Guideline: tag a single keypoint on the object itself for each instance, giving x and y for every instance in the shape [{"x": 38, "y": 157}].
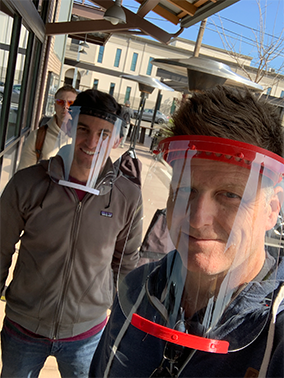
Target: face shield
[
  {"x": 86, "y": 138},
  {"x": 222, "y": 200}
]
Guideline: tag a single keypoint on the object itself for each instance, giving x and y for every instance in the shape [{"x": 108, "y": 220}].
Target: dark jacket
[
  {"x": 63, "y": 280},
  {"x": 139, "y": 354}
]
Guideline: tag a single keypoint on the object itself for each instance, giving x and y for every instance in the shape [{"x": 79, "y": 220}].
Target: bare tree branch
[{"x": 268, "y": 48}]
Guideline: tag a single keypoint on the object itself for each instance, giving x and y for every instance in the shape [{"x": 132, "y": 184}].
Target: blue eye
[{"x": 231, "y": 195}]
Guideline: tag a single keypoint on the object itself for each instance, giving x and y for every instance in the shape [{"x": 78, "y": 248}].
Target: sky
[{"x": 240, "y": 23}]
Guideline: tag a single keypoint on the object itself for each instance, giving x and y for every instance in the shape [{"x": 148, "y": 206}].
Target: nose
[
  {"x": 202, "y": 211},
  {"x": 92, "y": 140}
]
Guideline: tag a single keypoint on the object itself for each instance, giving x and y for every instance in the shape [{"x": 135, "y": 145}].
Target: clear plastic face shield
[
  {"x": 86, "y": 138},
  {"x": 223, "y": 206}
]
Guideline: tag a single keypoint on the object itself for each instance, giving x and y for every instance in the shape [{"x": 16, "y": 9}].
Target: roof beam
[
  {"x": 201, "y": 2},
  {"x": 87, "y": 12},
  {"x": 185, "y": 6},
  {"x": 153, "y": 5},
  {"x": 83, "y": 27},
  {"x": 146, "y": 7},
  {"x": 169, "y": 16},
  {"x": 29, "y": 13},
  {"x": 134, "y": 21},
  {"x": 207, "y": 10}
]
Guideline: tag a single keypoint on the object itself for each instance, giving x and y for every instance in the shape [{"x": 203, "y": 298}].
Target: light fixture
[
  {"x": 82, "y": 51},
  {"x": 84, "y": 44},
  {"x": 115, "y": 14}
]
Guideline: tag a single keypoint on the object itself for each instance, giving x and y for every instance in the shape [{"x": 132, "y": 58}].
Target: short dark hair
[
  {"x": 92, "y": 98},
  {"x": 231, "y": 113},
  {"x": 65, "y": 88}
]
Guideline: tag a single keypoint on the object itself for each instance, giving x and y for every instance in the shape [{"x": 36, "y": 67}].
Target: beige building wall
[
  {"x": 213, "y": 52},
  {"x": 107, "y": 74}
]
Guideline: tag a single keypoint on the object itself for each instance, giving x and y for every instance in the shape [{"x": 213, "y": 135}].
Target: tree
[{"x": 268, "y": 48}]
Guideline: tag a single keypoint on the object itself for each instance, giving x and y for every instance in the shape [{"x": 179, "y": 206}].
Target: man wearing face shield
[
  {"x": 212, "y": 307},
  {"x": 79, "y": 216}
]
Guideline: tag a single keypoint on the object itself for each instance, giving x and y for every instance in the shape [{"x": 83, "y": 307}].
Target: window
[
  {"x": 282, "y": 94},
  {"x": 101, "y": 53},
  {"x": 117, "y": 58},
  {"x": 150, "y": 66},
  {"x": 134, "y": 62},
  {"x": 111, "y": 89},
  {"x": 96, "y": 83},
  {"x": 74, "y": 45},
  {"x": 268, "y": 91},
  {"x": 127, "y": 94}
]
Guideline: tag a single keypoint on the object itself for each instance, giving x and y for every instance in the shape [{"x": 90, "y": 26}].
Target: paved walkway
[{"x": 151, "y": 199}]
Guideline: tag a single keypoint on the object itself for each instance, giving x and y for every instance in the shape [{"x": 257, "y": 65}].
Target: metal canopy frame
[{"x": 183, "y": 13}]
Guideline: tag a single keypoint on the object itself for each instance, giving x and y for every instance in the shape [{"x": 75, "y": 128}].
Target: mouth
[
  {"x": 90, "y": 153},
  {"x": 203, "y": 239},
  {"x": 200, "y": 238}
]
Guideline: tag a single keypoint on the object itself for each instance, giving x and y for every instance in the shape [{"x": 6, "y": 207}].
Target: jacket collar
[{"x": 105, "y": 180}]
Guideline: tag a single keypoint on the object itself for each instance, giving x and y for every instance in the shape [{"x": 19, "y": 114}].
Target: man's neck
[
  {"x": 79, "y": 175},
  {"x": 58, "y": 123}
]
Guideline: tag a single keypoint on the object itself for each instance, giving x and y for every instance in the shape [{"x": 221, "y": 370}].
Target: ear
[
  {"x": 274, "y": 207},
  {"x": 117, "y": 142}
]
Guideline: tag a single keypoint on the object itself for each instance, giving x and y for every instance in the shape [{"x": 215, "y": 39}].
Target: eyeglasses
[{"x": 64, "y": 103}]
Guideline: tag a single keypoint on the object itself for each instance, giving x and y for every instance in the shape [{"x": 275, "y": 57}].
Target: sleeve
[
  {"x": 28, "y": 155},
  {"x": 11, "y": 226},
  {"x": 103, "y": 351},
  {"x": 129, "y": 241}
]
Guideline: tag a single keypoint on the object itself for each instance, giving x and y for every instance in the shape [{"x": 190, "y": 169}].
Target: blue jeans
[{"x": 24, "y": 356}]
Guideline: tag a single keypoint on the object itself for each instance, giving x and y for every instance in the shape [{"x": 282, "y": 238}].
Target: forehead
[
  {"x": 95, "y": 123},
  {"x": 209, "y": 171},
  {"x": 66, "y": 95}
]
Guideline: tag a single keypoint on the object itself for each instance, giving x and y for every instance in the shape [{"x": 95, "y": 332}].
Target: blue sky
[{"x": 240, "y": 21}]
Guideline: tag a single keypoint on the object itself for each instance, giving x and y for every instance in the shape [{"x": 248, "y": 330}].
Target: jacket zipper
[
  {"x": 69, "y": 263},
  {"x": 67, "y": 270}
]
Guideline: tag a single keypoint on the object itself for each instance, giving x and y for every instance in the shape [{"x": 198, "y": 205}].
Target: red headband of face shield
[{"x": 223, "y": 150}]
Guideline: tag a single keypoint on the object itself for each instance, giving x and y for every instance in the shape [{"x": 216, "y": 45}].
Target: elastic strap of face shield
[{"x": 110, "y": 117}]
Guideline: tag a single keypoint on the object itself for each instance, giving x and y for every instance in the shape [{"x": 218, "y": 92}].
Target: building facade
[{"x": 102, "y": 66}]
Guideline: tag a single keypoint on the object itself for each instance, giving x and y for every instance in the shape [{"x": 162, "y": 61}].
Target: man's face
[
  {"x": 215, "y": 219},
  {"x": 62, "y": 103},
  {"x": 89, "y": 131}
]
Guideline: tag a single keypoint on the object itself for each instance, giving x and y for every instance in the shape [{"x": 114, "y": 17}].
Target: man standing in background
[
  {"x": 127, "y": 114},
  {"x": 40, "y": 144}
]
